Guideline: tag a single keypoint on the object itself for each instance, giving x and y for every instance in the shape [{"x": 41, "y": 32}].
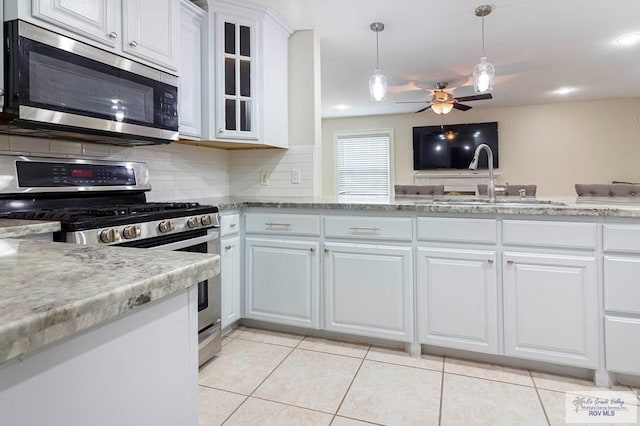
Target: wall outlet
[
  {"x": 295, "y": 176},
  {"x": 265, "y": 176}
]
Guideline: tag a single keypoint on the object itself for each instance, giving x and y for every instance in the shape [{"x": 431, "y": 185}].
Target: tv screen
[{"x": 453, "y": 146}]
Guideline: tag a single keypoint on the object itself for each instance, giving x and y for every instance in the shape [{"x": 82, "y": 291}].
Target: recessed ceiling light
[
  {"x": 628, "y": 39},
  {"x": 564, "y": 90},
  {"x": 342, "y": 107}
]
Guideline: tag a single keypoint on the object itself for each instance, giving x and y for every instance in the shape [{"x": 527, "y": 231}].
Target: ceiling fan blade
[
  {"x": 411, "y": 102},
  {"x": 474, "y": 97},
  {"x": 461, "y": 107},
  {"x": 424, "y": 109}
]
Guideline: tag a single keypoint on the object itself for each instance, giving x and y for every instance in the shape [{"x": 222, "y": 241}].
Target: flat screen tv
[{"x": 453, "y": 146}]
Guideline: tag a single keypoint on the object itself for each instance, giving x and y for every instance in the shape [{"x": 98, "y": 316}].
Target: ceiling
[{"x": 536, "y": 46}]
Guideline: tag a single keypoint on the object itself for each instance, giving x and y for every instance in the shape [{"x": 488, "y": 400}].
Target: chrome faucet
[{"x": 491, "y": 187}]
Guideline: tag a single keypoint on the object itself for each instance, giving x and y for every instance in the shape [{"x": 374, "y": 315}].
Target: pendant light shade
[
  {"x": 377, "y": 81},
  {"x": 484, "y": 73},
  {"x": 378, "y": 85}
]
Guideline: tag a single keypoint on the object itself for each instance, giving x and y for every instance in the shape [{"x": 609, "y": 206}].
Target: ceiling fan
[{"x": 442, "y": 102}]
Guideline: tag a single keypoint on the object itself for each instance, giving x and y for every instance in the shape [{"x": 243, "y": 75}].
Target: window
[{"x": 364, "y": 166}]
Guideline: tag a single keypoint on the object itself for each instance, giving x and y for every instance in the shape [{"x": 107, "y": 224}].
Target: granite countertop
[
  {"x": 14, "y": 228},
  {"x": 544, "y": 206},
  {"x": 50, "y": 291}
]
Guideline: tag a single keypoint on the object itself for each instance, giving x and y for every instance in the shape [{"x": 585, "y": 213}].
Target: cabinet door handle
[
  {"x": 312, "y": 249},
  {"x": 233, "y": 225},
  {"x": 326, "y": 250},
  {"x": 490, "y": 261},
  {"x": 113, "y": 35},
  {"x": 509, "y": 262},
  {"x": 228, "y": 247},
  {"x": 364, "y": 228},
  {"x": 133, "y": 43},
  {"x": 277, "y": 224}
]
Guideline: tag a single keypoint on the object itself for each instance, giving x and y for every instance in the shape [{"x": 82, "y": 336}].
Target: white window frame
[{"x": 389, "y": 133}]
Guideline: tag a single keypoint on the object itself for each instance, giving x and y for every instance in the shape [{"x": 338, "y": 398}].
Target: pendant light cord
[
  {"x": 377, "y": 53},
  {"x": 483, "y": 54}
]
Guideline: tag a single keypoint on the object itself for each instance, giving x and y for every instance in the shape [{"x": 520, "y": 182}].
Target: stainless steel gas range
[{"x": 103, "y": 203}]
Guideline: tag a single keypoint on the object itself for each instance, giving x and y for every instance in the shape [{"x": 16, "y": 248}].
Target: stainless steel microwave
[{"x": 59, "y": 87}]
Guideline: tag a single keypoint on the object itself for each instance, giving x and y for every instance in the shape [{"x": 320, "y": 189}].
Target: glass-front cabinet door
[{"x": 237, "y": 81}]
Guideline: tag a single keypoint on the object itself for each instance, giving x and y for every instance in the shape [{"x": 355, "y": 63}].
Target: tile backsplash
[{"x": 189, "y": 172}]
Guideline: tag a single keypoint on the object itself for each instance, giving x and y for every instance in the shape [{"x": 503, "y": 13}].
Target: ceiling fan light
[
  {"x": 442, "y": 108},
  {"x": 484, "y": 74},
  {"x": 378, "y": 85}
]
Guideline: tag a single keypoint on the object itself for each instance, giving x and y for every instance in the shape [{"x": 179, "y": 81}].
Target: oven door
[
  {"x": 196, "y": 241},
  {"x": 57, "y": 83}
]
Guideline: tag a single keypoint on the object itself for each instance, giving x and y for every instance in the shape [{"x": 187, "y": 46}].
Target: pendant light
[
  {"x": 484, "y": 73},
  {"x": 377, "y": 81}
]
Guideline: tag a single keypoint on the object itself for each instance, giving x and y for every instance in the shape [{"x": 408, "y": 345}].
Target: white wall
[{"x": 551, "y": 145}]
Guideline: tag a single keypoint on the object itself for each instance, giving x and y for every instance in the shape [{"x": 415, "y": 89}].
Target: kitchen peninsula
[
  {"x": 539, "y": 283},
  {"x": 98, "y": 335}
]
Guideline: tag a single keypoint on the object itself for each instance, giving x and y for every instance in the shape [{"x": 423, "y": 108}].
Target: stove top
[{"x": 100, "y": 216}]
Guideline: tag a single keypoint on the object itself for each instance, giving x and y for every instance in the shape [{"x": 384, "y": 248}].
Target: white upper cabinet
[
  {"x": 147, "y": 31},
  {"x": 190, "y": 82},
  {"x": 94, "y": 19},
  {"x": 150, "y": 30},
  {"x": 251, "y": 74}
]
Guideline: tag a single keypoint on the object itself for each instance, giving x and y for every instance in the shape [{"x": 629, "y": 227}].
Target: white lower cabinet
[
  {"x": 623, "y": 344},
  {"x": 458, "y": 299},
  {"x": 282, "y": 281},
  {"x": 551, "y": 308},
  {"x": 369, "y": 290},
  {"x": 230, "y": 279}
]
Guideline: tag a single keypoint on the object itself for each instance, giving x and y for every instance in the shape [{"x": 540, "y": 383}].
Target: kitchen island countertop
[
  {"x": 16, "y": 228},
  {"x": 51, "y": 291},
  {"x": 543, "y": 206}
]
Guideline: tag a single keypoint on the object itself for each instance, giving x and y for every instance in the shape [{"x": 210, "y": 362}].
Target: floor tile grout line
[
  {"x": 222, "y": 390},
  {"x": 291, "y": 405},
  {"x": 544, "y": 409},
  {"x": 402, "y": 365},
  {"x": 350, "y": 384},
  {"x": 234, "y": 411},
  {"x": 488, "y": 380},
  {"x": 329, "y": 353}
]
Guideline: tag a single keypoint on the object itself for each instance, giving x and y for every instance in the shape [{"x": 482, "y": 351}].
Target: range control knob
[
  {"x": 166, "y": 226},
  {"x": 130, "y": 232},
  {"x": 109, "y": 236},
  {"x": 205, "y": 220},
  {"x": 192, "y": 222}
]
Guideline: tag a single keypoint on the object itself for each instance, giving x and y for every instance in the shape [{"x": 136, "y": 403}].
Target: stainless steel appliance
[
  {"x": 59, "y": 87},
  {"x": 103, "y": 203}
]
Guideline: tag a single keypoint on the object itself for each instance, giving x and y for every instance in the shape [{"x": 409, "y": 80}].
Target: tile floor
[{"x": 269, "y": 378}]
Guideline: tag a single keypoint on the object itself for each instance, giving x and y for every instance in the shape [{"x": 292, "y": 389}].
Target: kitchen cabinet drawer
[
  {"x": 229, "y": 224},
  {"x": 622, "y": 284},
  {"x": 549, "y": 234},
  {"x": 624, "y": 238},
  {"x": 457, "y": 230},
  {"x": 622, "y": 348},
  {"x": 370, "y": 228},
  {"x": 282, "y": 224}
]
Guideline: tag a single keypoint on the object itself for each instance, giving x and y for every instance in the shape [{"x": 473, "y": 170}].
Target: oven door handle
[{"x": 212, "y": 235}]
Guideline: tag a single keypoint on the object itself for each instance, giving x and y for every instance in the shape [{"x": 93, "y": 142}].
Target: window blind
[{"x": 363, "y": 166}]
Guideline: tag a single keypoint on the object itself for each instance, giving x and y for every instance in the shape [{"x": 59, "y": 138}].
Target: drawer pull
[
  {"x": 509, "y": 262},
  {"x": 286, "y": 225},
  {"x": 232, "y": 225},
  {"x": 490, "y": 261},
  {"x": 326, "y": 250},
  {"x": 113, "y": 35},
  {"x": 312, "y": 249},
  {"x": 228, "y": 247},
  {"x": 133, "y": 44},
  {"x": 364, "y": 228}
]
